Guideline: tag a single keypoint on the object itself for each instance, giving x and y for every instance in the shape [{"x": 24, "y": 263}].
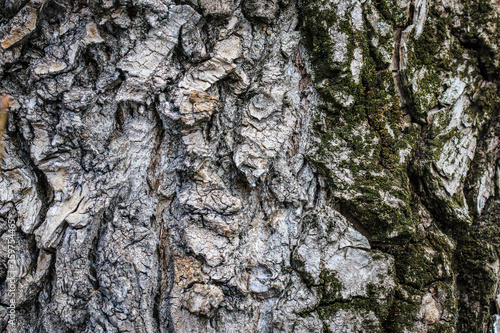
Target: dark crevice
[
  {"x": 153, "y": 173},
  {"x": 483, "y": 54},
  {"x": 156, "y": 304},
  {"x": 44, "y": 190},
  {"x": 51, "y": 276},
  {"x": 10, "y": 9},
  {"x": 355, "y": 223},
  {"x": 396, "y": 61},
  {"x": 53, "y": 13},
  {"x": 166, "y": 316},
  {"x": 101, "y": 223},
  {"x": 161, "y": 253}
]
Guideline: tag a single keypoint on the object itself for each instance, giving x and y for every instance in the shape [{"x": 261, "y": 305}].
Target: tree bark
[{"x": 250, "y": 166}]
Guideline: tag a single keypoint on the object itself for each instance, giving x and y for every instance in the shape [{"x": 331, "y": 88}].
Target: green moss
[
  {"x": 450, "y": 209},
  {"x": 391, "y": 12},
  {"x": 357, "y": 305},
  {"x": 428, "y": 45},
  {"x": 485, "y": 106},
  {"x": 378, "y": 305},
  {"x": 382, "y": 109},
  {"x": 420, "y": 264},
  {"x": 442, "y": 328},
  {"x": 373, "y": 160},
  {"x": 330, "y": 288},
  {"x": 476, "y": 253},
  {"x": 358, "y": 148},
  {"x": 402, "y": 316},
  {"x": 478, "y": 30},
  {"x": 433, "y": 54},
  {"x": 448, "y": 292}
]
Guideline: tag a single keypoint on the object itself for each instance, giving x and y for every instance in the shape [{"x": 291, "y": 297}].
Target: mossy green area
[
  {"x": 487, "y": 103},
  {"x": 478, "y": 28},
  {"x": 371, "y": 132},
  {"x": 363, "y": 139},
  {"x": 358, "y": 305},
  {"x": 420, "y": 264},
  {"x": 374, "y": 306},
  {"x": 444, "y": 51},
  {"x": 402, "y": 314},
  {"x": 477, "y": 253},
  {"x": 478, "y": 249},
  {"x": 360, "y": 130},
  {"x": 330, "y": 288},
  {"x": 332, "y": 301},
  {"x": 391, "y": 12},
  {"x": 442, "y": 328},
  {"x": 436, "y": 54}
]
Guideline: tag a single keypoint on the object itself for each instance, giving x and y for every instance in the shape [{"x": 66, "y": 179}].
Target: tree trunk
[{"x": 250, "y": 166}]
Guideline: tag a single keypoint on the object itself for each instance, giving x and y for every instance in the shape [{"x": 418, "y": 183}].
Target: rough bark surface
[{"x": 250, "y": 166}]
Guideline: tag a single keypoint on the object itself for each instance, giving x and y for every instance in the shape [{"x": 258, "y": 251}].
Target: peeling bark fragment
[
  {"x": 203, "y": 299},
  {"x": 197, "y": 106},
  {"x": 23, "y": 24}
]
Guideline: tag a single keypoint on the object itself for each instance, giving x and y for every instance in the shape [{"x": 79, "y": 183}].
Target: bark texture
[{"x": 250, "y": 166}]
